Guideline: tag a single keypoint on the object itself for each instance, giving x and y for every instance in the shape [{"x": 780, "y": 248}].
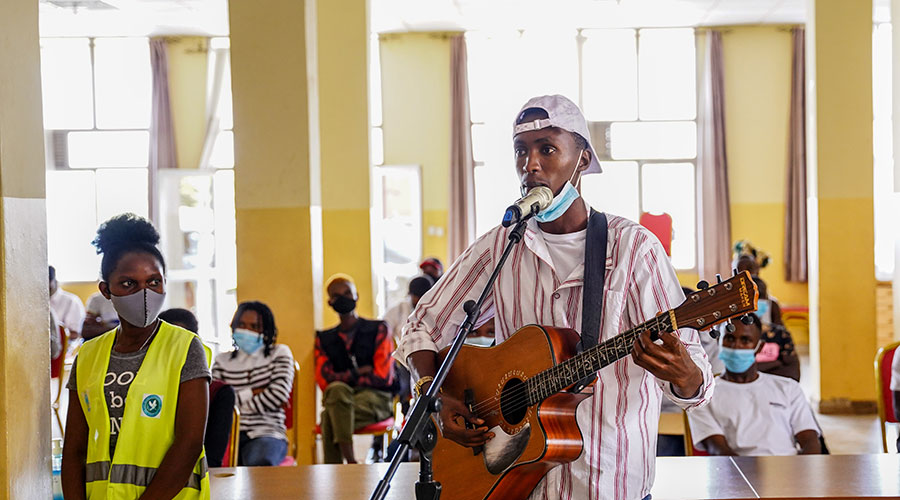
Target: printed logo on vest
[{"x": 151, "y": 406}]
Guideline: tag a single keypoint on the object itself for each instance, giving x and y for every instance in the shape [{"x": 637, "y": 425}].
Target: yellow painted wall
[
  {"x": 24, "y": 391},
  {"x": 343, "y": 36},
  {"x": 278, "y": 215},
  {"x": 841, "y": 139},
  {"x": 757, "y": 107},
  {"x": 415, "y": 69},
  {"x": 83, "y": 289},
  {"x": 188, "y": 62}
]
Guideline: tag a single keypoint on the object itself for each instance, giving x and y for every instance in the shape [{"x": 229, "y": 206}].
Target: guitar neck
[{"x": 590, "y": 361}]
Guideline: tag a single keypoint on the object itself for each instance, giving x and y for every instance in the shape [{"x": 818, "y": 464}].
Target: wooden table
[{"x": 823, "y": 476}]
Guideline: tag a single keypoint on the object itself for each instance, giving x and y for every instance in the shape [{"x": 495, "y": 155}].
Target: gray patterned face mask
[{"x": 140, "y": 308}]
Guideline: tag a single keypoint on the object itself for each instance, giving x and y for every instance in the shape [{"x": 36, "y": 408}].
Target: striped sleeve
[
  {"x": 433, "y": 323},
  {"x": 278, "y": 390},
  {"x": 655, "y": 288}
]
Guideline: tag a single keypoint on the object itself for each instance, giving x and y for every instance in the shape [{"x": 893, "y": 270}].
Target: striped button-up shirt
[{"x": 619, "y": 422}]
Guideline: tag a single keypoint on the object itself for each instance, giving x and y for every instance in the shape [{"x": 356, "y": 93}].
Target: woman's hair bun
[{"x": 125, "y": 229}]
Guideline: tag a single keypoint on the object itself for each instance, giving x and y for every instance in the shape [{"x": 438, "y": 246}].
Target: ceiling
[{"x": 210, "y": 17}]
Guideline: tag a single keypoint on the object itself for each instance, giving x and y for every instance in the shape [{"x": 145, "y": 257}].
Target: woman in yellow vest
[{"x": 138, "y": 394}]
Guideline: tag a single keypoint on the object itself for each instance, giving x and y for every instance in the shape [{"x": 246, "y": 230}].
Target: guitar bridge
[{"x": 469, "y": 401}]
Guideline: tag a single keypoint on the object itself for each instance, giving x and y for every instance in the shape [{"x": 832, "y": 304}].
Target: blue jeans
[{"x": 261, "y": 451}]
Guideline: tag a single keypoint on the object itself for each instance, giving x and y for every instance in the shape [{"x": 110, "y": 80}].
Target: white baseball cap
[{"x": 562, "y": 113}]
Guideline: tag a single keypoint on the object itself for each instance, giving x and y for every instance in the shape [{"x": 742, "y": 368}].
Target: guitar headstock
[{"x": 716, "y": 304}]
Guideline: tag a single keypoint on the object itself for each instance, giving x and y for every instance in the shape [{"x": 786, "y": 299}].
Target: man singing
[{"x": 542, "y": 283}]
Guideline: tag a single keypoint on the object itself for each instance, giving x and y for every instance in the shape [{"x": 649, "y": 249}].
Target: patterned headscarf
[{"x": 744, "y": 247}]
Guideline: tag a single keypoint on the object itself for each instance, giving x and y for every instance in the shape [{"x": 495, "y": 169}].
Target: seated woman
[
  {"x": 137, "y": 393},
  {"x": 777, "y": 355},
  {"x": 262, "y": 375}
]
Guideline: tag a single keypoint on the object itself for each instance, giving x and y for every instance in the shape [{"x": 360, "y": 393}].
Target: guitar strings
[
  {"x": 515, "y": 397},
  {"x": 518, "y": 397}
]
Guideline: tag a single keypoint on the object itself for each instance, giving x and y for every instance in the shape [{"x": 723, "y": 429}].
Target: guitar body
[{"x": 530, "y": 440}]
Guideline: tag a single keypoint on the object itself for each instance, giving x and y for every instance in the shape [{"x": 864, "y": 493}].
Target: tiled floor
[{"x": 849, "y": 434}]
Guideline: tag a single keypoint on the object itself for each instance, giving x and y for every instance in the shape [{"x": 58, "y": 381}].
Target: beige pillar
[
  {"x": 278, "y": 210},
  {"x": 841, "y": 228},
  {"x": 342, "y": 57},
  {"x": 24, "y": 341}
]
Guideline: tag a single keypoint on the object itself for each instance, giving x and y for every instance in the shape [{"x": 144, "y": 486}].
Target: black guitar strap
[{"x": 594, "y": 281}]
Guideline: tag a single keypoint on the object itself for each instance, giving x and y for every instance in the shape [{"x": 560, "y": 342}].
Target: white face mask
[
  {"x": 480, "y": 341},
  {"x": 141, "y": 308}
]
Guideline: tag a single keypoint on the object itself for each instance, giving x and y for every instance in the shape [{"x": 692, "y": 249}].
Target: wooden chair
[
  {"x": 234, "y": 438},
  {"x": 57, "y": 371},
  {"x": 883, "y": 360},
  {"x": 384, "y": 428},
  {"x": 291, "y": 420},
  {"x": 689, "y": 448}
]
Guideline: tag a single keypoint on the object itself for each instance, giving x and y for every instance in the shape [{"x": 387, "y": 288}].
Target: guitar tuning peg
[
  {"x": 734, "y": 272},
  {"x": 746, "y": 319},
  {"x": 729, "y": 327},
  {"x": 714, "y": 333},
  {"x": 702, "y": 285},
  {"x": 718, "y": 278}
]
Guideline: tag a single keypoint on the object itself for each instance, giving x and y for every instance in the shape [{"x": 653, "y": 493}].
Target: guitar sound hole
[{"x": 513, "y": 404}]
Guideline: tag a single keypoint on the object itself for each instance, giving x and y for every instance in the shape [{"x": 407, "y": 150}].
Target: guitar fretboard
[{"x": 589, "y": 362}]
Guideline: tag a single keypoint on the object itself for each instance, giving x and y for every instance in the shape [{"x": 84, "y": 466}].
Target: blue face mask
[
  {"x": 737, "y": 360},
  {"x": 762, "y": 308},
  {"x": 562, "y": 201},
  {"x": 247, "y": 340}
]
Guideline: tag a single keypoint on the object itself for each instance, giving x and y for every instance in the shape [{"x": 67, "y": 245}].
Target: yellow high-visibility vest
[{"x": 148, "y": 423}]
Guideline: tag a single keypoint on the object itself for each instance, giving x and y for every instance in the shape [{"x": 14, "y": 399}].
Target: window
[
  {"x": 96, "y": 100},
  {"x": 637, "y": 89},
  {"x": 376, "y": 137},
  {"x": 887, "y": 202},
  {"x": 97, "y": 106}
]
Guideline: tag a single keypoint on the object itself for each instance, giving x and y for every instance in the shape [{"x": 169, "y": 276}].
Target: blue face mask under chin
[{"x": 562, "y": 201}]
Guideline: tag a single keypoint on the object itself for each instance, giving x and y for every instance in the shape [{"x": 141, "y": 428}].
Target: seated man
[
  {"x": 221, "y": 396},
  {"x": 67, "y": 306},
  {"x": 753, "y": 413},
  {"x": 354, "y": 370}
]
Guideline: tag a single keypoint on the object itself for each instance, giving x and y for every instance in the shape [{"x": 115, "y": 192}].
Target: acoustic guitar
[{"x": 522, "y": 389}]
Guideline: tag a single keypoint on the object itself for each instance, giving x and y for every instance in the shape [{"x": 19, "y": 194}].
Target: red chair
[
  {"x": 57, "y": 369},
  {"x": 231, "y": 451},
  {"x": 291, "y": 419},
  {"x": 883, "y": 360},
  {"x": 689, "y": 448}
]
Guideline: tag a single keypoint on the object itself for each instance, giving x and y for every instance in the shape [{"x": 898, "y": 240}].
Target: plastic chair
[
  {"x": 234, "y": 438},
  {"x": 384, "y": 428},
  {"x": 883, "y": 360},
  {"x": 291, "y": 419},
  {"x": 57, "y": 369}
]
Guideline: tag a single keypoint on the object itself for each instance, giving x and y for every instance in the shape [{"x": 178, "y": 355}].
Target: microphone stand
[{"x": 419, "y": 430}]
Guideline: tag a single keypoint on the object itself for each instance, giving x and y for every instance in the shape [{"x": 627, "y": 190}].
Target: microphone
[{"x": 537, "y": 199}]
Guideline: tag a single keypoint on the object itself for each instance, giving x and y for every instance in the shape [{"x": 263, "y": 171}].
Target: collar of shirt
[{"x": 534, "y": 240}]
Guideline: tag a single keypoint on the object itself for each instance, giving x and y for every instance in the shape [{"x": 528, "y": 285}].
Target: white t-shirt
[
  {"x": 68, "y": 309},
  {"x": 396, "y": 317},
  {"x": 99, "y": 305},
  {"x": 759, "y": 418},
  {"x": 895, "y": 373},
  {"x": 566, "y": 251}
]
